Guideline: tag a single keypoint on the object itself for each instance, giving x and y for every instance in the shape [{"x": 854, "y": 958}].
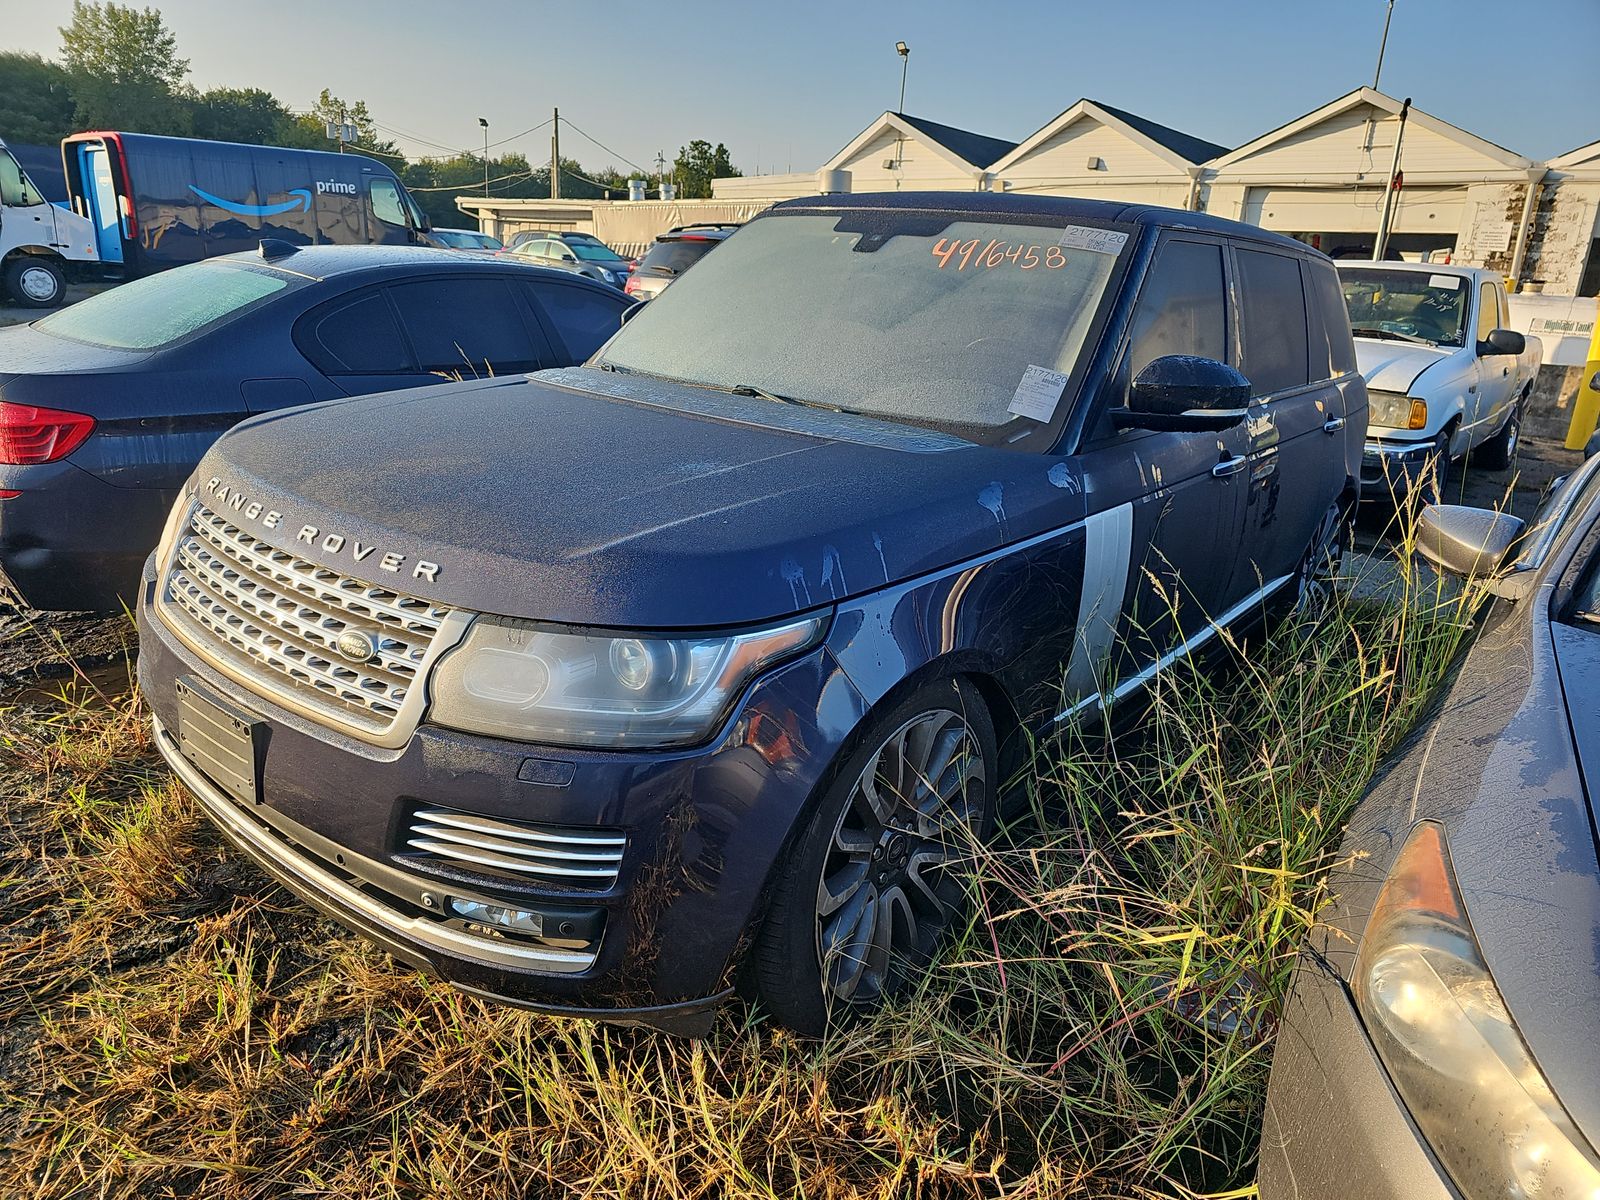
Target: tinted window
[
  {"x": 149, "y": 313},
  {"x": 465, "y": 326},
  {"x": 677, "y": 256},
  {"x": 1272, "y": 321},
  {"x": 362, "y": 336},
  {"x": 583, "y": 317},
  {"x": 386, "y": 205},
  {"x": 1488, "y": 311},
  {"x": 1182, "y": 307},
  {"x": 1332, "y": 351}
]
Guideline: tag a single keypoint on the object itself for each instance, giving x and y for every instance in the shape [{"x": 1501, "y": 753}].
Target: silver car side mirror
[{"x": 1466, "y": 541}]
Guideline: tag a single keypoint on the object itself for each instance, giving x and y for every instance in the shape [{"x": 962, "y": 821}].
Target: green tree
[
  {"x": 311, "y": 132},
  {"x": 125, "y": 69},
  {"x": 35, "y": 99},
  {"x": 697, "y": 165},
  {"x": 241, "y": 115}
]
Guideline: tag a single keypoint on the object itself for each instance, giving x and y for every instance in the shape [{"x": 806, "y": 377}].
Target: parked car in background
[
  {"x": 673, "y": 253},
  {"x": 1445, "y": 376},
  {"x": 40, "y": 242},
  {"x": 466, "y": 239},
  {"x": 1442, "y": 1037},
  {"x": 159, "y": 202},
  {"x": 106, "y": 406},
  {"x": 577, "y": 687},
  {"x": 575, "y": 252}
]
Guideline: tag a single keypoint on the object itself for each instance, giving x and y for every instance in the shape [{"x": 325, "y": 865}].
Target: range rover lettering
[{"x": 726, "y": 636}]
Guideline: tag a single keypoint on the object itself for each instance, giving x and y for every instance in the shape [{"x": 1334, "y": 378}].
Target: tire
[
  {"x": 35, "y": 282},
  {"x": 1500, "y": 451},
  {"x": 1324, "y": 556},
  {"x": 858, "y": 862}
]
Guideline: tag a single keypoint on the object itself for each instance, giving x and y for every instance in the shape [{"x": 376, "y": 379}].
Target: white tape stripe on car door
[{"x": 1107, "y": 546}]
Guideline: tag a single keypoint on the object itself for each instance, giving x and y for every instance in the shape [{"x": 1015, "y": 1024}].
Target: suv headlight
[
  {"x": 1450, "y": 1045},
  {"x": 540, "y": 683},
  {"x": 1391, "y": 410}
]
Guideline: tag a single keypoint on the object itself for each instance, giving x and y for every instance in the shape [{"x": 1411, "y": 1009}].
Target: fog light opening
[{"x": 497, "y": 917}]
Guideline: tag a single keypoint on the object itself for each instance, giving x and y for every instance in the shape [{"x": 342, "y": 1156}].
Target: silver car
[{"x": 579, "y": 253}]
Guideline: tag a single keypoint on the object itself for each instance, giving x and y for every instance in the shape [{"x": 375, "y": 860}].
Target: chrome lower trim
[
  {"x": 1397, "y": 449},
  {"x": 560, "y": 854},
  {"x": 335, "y": 896}
]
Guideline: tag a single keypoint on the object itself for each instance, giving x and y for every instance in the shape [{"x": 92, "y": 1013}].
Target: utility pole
[
  {"x": 555, "y": 155},
  {"x": 1391, "y": 194},
  {"x": 1387, "y": 17},
  {"x": 484, "y": 121}
]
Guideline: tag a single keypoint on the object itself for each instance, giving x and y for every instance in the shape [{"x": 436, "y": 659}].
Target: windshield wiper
[
  {"x": 1371, "y": 331},
  {"x": 745, "y": 389}
]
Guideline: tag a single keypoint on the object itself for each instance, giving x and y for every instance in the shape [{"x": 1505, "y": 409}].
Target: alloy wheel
[
  {"x": 888, "y": 891},
  {"x": 1323, "y": 558}
]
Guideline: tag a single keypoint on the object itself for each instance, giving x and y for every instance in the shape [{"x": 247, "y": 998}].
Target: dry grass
[{"x": 175, "y": 1026}]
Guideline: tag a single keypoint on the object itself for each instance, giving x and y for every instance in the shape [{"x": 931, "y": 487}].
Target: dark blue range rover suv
[{"x": 587, "y": 689}]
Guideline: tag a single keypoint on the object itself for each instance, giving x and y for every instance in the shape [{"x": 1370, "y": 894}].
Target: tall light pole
[
  {"x": 1382, "y": 45},
  {"x": 484, "y": 121},
  {"x": 904, "y": 51},
  {"x": 1391, "y": 195}
]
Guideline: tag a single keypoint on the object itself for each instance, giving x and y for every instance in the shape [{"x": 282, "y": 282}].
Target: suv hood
[
  {"x": 1394, "y": 366},
  {"x": 590, "y": 498}
]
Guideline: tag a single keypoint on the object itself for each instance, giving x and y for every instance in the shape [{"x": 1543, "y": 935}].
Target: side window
[
  {"x": 1272, "y": 321},
  {"x": 14, "y": 189},
  {"x": 1488, "y": 311},
  {"x": 582, "y": 317},
  {"x": 1333, "y": 353},
  {"x": 386, "y": 204},
  {"x": 1182, "y": 307},
  {"x": 359, "y": 336},
  {"x": 469, "y": 327}
]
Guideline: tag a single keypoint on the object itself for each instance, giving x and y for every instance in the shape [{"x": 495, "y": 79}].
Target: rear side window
[
  {"x": 466, "y": 326},
  {"x": 1333, "y": 353},
  {"x": 158, "y": 310},
  {"x": 362, "y": 337},
  {"x": 583, "y": 317},
  {"x": 677, "y": 256},
  {"x": 1182, "y": 307},
  {"x": 1272, "y": 321}
]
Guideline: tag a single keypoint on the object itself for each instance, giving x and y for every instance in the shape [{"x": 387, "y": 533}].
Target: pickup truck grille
[
  {"x": 557, "y": 854},
  {"x": 273, "y": 620}
]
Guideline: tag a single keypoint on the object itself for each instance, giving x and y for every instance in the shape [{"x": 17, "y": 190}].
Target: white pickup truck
[
  {"x": 1445, "y": 377},
  {"x": 37, "y": 240}
]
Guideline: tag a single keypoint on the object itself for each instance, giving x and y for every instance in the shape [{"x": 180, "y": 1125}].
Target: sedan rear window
[
  {"x": 158, "y": 310},
  {"x": 677, "y": 256}
]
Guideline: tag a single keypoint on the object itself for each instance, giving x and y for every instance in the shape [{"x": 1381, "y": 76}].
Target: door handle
[
  {"x": 1229, "y": 466},
  {"x": 1333, "y": 425}
]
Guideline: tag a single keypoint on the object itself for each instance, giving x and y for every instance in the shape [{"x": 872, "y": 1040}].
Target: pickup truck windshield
[
  {"x": 904, "y": 315},
  {"x": 158, "y": 310},
  {"x": 1410, "y": 305}
]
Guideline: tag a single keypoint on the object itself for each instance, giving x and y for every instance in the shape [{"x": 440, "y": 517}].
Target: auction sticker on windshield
[
  {"x": 1038, "y": 394},
  {"x": 1086, "y": 237}
]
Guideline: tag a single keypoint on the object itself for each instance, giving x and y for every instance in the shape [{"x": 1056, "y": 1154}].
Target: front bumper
[
  {"x": 1389, "y": 470},
  {"x": 73, "y": 541},
  {"x": 1334, "y": 1127},
  {"x": 703, "y": 829}
]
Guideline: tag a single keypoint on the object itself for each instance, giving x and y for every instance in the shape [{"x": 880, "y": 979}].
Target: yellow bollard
[{"x": 1586, "y": 408}]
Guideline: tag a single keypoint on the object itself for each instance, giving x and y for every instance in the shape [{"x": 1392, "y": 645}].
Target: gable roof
[
  {"x": 1177, "y": 148},
  {"x": 1378, "y": 100},
  {"x": 1582, "y": 156},
  {"x": 961, "y": 148}
]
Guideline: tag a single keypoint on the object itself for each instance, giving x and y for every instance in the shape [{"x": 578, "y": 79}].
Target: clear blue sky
[{"x": 789, "y": 84}]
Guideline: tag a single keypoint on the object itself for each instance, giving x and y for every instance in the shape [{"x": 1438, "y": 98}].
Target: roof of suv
[
  {"x": 1067, "y": 208},
  {"x": 706, "y": 231}
]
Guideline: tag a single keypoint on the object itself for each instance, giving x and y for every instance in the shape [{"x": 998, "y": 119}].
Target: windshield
[
  {"x": 676, "y": 256},
  {"x": 460, "y": 239},
  {"x": 594, "y": 252},
  {"x": 16, "y": 189},
  {"x": 149, "y": 313},
  {"x": 903, "y": 315},
  {"x": 1409, "y": 304}
]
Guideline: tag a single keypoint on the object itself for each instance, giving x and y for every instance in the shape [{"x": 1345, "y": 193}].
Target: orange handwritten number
[{"x": 943, "y": 249}]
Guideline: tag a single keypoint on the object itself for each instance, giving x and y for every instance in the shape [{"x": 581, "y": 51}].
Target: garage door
[{"x": 1314, "y": 210}]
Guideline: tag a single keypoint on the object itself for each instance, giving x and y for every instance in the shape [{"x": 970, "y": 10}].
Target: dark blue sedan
[{"x": 106, "y": 407}]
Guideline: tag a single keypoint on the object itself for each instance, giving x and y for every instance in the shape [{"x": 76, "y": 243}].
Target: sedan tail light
[{"x": 30, "y": 435}]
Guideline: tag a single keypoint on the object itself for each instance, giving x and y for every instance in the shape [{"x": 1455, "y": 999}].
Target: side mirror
[
  {"x": 1466, "y": 541},
  {"x": 1592, "y": 446},
  {"x": 568, "y": 256},
  {"x": 1503, "y": 341},
  {"x": 1186, "y": 393}
]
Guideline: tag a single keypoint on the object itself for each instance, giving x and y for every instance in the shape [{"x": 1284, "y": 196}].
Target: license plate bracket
[{"x": 225, "y": 743}]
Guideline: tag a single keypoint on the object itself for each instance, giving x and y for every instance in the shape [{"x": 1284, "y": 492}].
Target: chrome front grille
[
  {"x": 273, "y": 620},
  {"x": 549, "y": 853}
]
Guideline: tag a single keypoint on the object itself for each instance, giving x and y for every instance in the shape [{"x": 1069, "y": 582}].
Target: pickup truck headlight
[
  {"x": 1391, "y": 410},
  {"x": 540, "y": 683},
  {"x": 1450, "y": 1045}
]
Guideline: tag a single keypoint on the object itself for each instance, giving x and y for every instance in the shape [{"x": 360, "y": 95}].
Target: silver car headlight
[
  {"x": 1391, "y": 410},
  {"x": 1454, "y": 1053},
  {"x": 561, "y": 686}
]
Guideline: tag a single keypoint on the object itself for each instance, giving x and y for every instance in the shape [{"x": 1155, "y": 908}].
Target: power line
[{"x": 606, "y": 148}]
